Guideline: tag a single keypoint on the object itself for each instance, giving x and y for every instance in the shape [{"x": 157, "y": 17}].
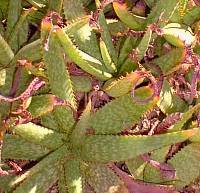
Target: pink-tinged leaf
[
  {"x": 136, "y": 186},
  {"x": 166, "y": 170},
  {"x": 197, "y": 2}
]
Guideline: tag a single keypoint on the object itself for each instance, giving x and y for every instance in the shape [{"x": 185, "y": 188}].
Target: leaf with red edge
[{"x": 136, "y": 186}]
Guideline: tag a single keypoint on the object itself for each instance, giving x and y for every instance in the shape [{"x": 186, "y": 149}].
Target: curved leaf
[
  {"x": 133, "y": 21},
  {"x": 121, "y": 113},
  {"x": 41, "y": 176},
  {"x": 39, "y": 135},
  {"x": 82, "y": 59},
  {"x": 14, "y": 147},
  {"x": 106, "y": 148},
  {"x": 6, "y": 54},
  {"x": 58, "y": 75},
  {"x": 187, "y": 165}
]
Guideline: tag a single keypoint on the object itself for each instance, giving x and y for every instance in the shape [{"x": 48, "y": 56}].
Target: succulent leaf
[
  {"x": 73, "y": 179},
  {"x": 181, "y": 160},
  {"x": 19, "y": 33},
  {"x": 30, "y": 52},
  {"x": 185, "y": 117},
  {"x": 55, "y": 5},
  {"x": 49, "y": 122},
  {"x": 81, "y": 127},
  {"x": 41, "y": 105},
  {"x": 81, "y": 83},
  {"x": 152, "y": 174},
  {"x": 39, "y": 135},
  {"x": 14, "y": 11},
  {"x": 163, "y": 11},
  {"x": 37, "y": 3},
  {"x": 73, "y": 10},
  {"x": 143, "y": 45},
  {"x": 102, "y": 179},
  {"x": 191, "y": 16},
  {"x": 64, "y": 118},
  {"x": 106, "y": 57},
  {"x": 82, "y": 35},
  {"x": 14, "y": 147},
  {"x": 102, "y": 148},
  {"x": 136, "y": 167},
  {"x": 121, "y": 113},
  {"x": 178, "y": 36},
  {"x": 121, "y": 86},
  {"x": 106, "y": 37},
  {"x": 170, "y": 62},
  {"x": 170, "y": 102},
  {"x": 58, "y": 75},
  {"x": 129, "y": 44},
  {"x": 82, "y": 59},
  {"x": 135, "y": 22},
  {"x": 6, "y": 54},
  {"x": 45, "y": 172}
]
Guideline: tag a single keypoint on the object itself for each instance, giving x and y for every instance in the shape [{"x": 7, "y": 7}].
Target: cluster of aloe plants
[{"x": 99, "y": 96}]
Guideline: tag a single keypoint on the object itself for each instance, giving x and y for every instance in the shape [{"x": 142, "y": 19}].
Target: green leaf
[
  {"x": 121, "y": 86},
  {"x": 55, "y": 5},
  {"x": 143, "y": 45},
  {"x": 121, "y": 113},
  {"x": 163, "y": 9},
  {"x": 58, "y": 75},
  {"x": 128, "y": 66},
  {"x": 107, "y": 58},
  {"x": 64, "y": 118},
  {"x": 169, "y": 102},
  {"x": 6, "y": 54},
  {"x": 72, "y": 175},
  {"x": 62, "y": 186},
  {"x": 106, "y": 148},
  {"x": 82, "y": 59},
  {"x": 192, "y": 16},
  {"x": 14, "y": 147},
  {"x": 81, "y": 127},
  {"x": 116, "y": 27},
  {"x": 39, "y": 135},
  {"x": 107, "y": 39},
  {"x": 129, "y": 44},
  {"x": 5, "y": 89},
  {"x": 3, "y": 8},
  {"x": 49, "y": 122},
  {"x": 150, "y": 3},
  {"x": 5, "y": 180},
  {"x": 73, "y": 10},
  {"x": 82, "y": 35},
  {"x": 152, "y": 174},
  {"x": 30, "y": 52},
  {"x": 178, "y": 35},
  {"x": 136, "y": 167},
  {"x": 19, "y": 34},
  {"x": 41, "y": 104},
  {"x": 103, "y": 179},
  {"x": 37, "y": 3},
  {"x": 14, "y": 11},
  {"x": 187, "y": 165},
  {"x": 81, "y": 83},
  {"x": 171, "y": 61},
  {"x": 185, "y": 117},
  {"x": 135, "y": 22},
  {"x": 41, "y": 176},
  {"x": 2, "y": 77}
]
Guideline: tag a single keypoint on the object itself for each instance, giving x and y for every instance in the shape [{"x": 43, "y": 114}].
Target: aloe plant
[{"x": 87, "y": 87}]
